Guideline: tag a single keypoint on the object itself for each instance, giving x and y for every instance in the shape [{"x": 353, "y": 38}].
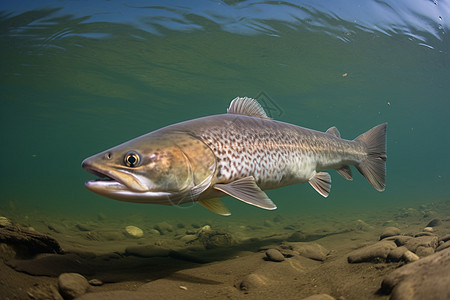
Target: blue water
[{"x": 78, "y": 77}]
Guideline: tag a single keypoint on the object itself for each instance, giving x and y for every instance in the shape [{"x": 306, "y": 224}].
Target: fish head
[{"x": 154, "y": 168}]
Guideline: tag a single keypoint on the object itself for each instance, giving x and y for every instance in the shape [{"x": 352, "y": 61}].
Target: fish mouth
[
  {"x": 119, "y": 185},
  {"x": 105, "y": 180}
]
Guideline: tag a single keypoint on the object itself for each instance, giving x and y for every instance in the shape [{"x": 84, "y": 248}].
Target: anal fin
[
  {"x": 246, "y": 190},
  {"x": 321, "y": 182},
  {"x": 346, "y": 172},
  {"x": 216, "y": 206}
]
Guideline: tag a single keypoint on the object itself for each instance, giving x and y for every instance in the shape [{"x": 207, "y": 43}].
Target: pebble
[
  {"x": 154, "y": 231},
  {"x": 434, "y": 223},
  {"x": 4, "y": 221},
  {"x": 274, "y": 255},
  {"x": 424, "y": 251},
  {"x": 95, "y": 282},
  {"x": 83, "y": 227},
  {"x": 297, "y": 236},
  {"x": 204, "y": 229},
  {"x": 389, "y": 231},
  {"x": 189, "y": 238},
  {"x": 252, "y": 281},
  {"x": 55, "y": 228},
  {"x": 163, "y": 227},
  {"x": 72, "y": 285},
  {"x": 134, "y": 232},
  {"x": 409, "y": 257},
  {"x": 215, "y": 239},
  {"x": 428, "y": 229},
  {"x": 310, "y": 250}
]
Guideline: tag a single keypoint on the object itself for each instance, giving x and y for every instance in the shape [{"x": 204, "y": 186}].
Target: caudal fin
[{"x": 373, "y": 167}]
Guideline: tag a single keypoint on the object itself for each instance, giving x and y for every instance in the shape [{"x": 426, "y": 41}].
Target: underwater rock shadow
[
  {"x": 104, "y": 267},
  {"x": 148, "y": 262}
]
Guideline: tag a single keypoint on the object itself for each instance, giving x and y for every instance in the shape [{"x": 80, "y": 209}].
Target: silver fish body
[{"x": 239, "y": 154}]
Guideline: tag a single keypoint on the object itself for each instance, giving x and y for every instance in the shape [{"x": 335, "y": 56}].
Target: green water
[{"x": 73, "y": 85}]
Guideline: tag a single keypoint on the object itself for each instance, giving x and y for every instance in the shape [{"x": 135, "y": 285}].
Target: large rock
[
  {"x": 422, "y": 241},
  {"x": 400, "y": 240},
  {"x": 445, "y": 238},
  {"x": 389, "y": 231},
  {"x": 375, "y": 252},
  {"x": 443, "y": 246},
  {"x": 427, "y": 278},
  {"x": 396, "y": 254},
  {"x": 72, "y": 285},
  {"x": 29, "y": 242}
]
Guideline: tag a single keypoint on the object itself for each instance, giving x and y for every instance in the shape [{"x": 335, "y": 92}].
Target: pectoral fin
[
  {"x": 216, "y": 206},
  {"x": 246, "y": 190},
  {"x": 321, "y": 182}
]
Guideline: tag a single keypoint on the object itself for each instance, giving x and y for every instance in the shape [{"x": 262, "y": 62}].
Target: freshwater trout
[{"x": 240, "y": 154}]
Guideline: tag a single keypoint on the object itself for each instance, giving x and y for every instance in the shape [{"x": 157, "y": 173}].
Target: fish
[{"x": 240, "y": 154}]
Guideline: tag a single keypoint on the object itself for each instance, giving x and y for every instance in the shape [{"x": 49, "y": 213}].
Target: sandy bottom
[{"x": 227, "y": 259}]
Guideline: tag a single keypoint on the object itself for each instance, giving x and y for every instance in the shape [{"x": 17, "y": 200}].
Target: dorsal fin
[
  {"x": 334, "y": 131},
  {"x": 248, "y": 107}
]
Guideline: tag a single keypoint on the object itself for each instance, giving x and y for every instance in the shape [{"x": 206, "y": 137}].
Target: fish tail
[{"x": 373, "y": 166}]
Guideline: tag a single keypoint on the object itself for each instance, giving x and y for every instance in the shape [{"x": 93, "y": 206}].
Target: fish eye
[{"x": 132, "y": 159}]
